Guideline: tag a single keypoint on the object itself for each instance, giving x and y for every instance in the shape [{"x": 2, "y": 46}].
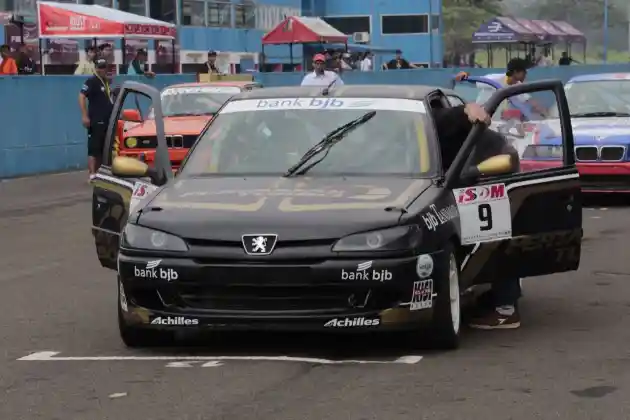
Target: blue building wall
[{"x": 415, "y": 47}]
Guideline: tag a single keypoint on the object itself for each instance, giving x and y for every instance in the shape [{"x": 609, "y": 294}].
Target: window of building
[
  {"x": 435, "y": 22},
  {"x": 404, "y": 24},
  {"x": 193, "y": 13},
  {"x": 245, "y": 14},
  {"x": 163, "y": 10},
  {"x": 219, "y": 14},
  {"x": 349, "y": 24},
  {"x": 132, "y": 6}
]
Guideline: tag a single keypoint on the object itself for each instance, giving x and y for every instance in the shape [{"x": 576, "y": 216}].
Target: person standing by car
[
  {"x": 96, "y": 104},
  {"x": 453, "y": 126},
  {"x": 320, "y": 76}
]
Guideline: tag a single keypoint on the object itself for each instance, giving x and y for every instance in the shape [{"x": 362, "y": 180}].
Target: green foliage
[{"x": 462, "y": 18}]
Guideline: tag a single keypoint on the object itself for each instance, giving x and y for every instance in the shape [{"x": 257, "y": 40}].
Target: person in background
[
  {"x": 211, "y": 64},
  {"x": 399, "y": 63},
  {"x": 96, "y": 105},
  {"x": 543, "y": 60},
  {"x": 366, "y": 62},
  {"x": 8, "y": 65},
  {"x": 85, "y": 67},
  {"x": 565, "y": 60},
  {"x": 25, "y": 63},
  {"x": 106, "y": 51},
  {"x": 320, "y": 76},
  {"x": 137, "y": 65}
]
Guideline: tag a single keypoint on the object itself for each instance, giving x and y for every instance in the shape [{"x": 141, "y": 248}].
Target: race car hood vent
[{"x": 223, "y": 209}]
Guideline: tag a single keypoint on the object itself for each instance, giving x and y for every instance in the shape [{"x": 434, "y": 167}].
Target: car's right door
[{"x": 518, "y": 224}]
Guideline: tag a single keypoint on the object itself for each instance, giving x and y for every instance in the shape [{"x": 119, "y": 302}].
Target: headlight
[
  {"x": 131, "y": 142},
  {"x": 538, "y": 151},
  {"x": 139, "y": 237},
  {"x": 394, "y": 239}
]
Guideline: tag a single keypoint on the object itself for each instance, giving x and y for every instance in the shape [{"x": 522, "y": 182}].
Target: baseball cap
[
  {"x": 319, "y": 57},
  {"x": 101, "y": 63}
]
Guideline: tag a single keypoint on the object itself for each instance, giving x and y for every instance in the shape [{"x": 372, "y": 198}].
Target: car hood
[
  {"x": 297, "y": 208},
  {"x": 172, "y": 125},
  {"x": 611, "y": 130}
]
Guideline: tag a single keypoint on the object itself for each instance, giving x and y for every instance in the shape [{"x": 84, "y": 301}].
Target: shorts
[{"x": 96, "y": 139}]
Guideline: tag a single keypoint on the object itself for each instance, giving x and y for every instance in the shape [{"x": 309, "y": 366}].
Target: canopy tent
[
  {"x": 573, "y": 35},
  {"x": 543, "y": 36},
  {"x": 502, "y": 30},
  {"x": 555, "y": 33},
  {"x": 303, "y": 30},
  {"x": 363, "y": 48},
  {"x": 82, "y": 21}
]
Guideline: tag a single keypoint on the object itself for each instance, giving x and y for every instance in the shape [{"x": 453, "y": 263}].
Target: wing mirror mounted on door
[
  {"x": 496, "y": 165},
  {"x": 127, "y": 167},
  {"x": 131, "y": 115}
]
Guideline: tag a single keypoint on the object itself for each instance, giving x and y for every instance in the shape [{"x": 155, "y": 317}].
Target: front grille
[
  {"x": 282, "y": 298},
  {"x": 586, "y": 153},
  {"x": 612, "y": 153},
  {"x": 177, "y": 142}
]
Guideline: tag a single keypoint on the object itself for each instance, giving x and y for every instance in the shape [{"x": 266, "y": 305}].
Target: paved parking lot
[{"x": 61, "y": 356}]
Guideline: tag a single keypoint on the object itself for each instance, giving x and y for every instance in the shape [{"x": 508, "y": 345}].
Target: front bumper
[
  {"x": 596, "y": 177},
  {"x": 296, "y": 296}
]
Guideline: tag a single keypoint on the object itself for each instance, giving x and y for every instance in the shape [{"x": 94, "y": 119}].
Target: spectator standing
[
  {"x": 399, "y": 63},
  {"x": 320, "y": 76},
  {"x": 85, "y": 67},
  {"x": 366, "y": 62},
  {"x": 211, "y": 64},
  {"x": 565, "y": 60},
  {"x": 138, "y": 64},
  {"x": 24, "y": 62},
  {"x": 8, "y": 65}
]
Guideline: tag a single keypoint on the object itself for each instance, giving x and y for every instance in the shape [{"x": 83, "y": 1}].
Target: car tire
[
  {"x": 138, "y": 337},
  {"x": 447, "y": 310}
]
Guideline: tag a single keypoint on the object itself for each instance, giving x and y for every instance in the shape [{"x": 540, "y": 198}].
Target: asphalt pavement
[{"x": 61, "y": 357}]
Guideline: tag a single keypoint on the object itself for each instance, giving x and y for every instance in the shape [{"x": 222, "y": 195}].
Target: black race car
[{"x": 326, "y": 210}]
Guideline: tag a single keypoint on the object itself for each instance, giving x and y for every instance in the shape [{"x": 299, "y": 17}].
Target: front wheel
[
  {"x": 447, "y": 311},
  {"x": 135, "y": 337}
]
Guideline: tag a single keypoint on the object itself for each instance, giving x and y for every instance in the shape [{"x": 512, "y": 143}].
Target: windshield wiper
[
  {"x": 326, "y": 143},
  {"x": 600, "y": 114}
]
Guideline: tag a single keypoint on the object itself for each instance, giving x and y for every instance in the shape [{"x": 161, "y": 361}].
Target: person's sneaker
[{"x": 496, "y": 321}]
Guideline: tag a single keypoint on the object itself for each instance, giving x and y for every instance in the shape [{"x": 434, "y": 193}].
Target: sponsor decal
[
  {"x": 480, "y": 194},
  {"x": 123, "y": 298},
  {"x": 422, "y": 295},
  {"x": 353, "y": 322},
  {"x": 141, "y": 190},
  {"x": 153, "y": 271},
  {"x": 200, "y": 89},
  {"x": 424, "y": 266},
  {"x": 174, "y": 320},
  {"x": 365, "y": 272},
  {"x": 387, "y": 104},
  {"x": 436, "y": 217}
]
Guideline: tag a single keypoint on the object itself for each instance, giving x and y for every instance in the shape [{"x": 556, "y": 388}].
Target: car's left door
[
  {"x": 114, "y": 197},
  {"x": 516, "y": 224}
]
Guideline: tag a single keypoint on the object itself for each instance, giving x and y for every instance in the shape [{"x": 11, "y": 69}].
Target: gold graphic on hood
[{"x": 300, "y": 198}]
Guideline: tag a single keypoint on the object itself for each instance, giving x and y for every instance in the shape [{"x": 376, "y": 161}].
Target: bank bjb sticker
[
  {"x": 141, "y": 190},
  {"x": 422, "y": 295},
  {"x": 484, "y": 213}
]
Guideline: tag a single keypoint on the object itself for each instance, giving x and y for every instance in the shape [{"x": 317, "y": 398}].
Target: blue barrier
[{"x": 41, "y": 124}]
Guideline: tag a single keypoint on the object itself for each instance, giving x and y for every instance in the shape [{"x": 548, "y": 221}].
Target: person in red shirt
[{"x": 8, "y": 66}]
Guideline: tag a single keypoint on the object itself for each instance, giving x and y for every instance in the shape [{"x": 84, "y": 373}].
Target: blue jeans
[{"x": 506, "y": 292}]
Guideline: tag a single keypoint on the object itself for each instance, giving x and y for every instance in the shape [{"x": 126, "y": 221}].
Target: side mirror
[
  {"x": 127, "y": 167},
  {"x": 131, "y": 115},
  {"x": 496, "y": 165},
  {"x": 511, "y": 114}
]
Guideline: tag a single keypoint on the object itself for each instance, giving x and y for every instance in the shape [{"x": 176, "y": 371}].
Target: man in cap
[
  {"x": 96, "y": 105},
  {"x": 320, "y": 76},
  {"x": 212, "y": 63}
]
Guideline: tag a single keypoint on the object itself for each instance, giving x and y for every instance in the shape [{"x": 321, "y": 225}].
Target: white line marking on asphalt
[
  {"x": 44, "y": 356},
  {"x": 213, "y": 363}
]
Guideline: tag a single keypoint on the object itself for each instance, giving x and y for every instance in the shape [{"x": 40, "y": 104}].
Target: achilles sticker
[
  {"x": 174, "y": 320},
  {"x": 153, "y": 271},
  {"x": 141, "y": 190},
  {"x": 365, "y": 272},
  {"x": 352, "y": 322},
  {"x": 422, "y": 295},
  {"x": 485, "y": 213}
]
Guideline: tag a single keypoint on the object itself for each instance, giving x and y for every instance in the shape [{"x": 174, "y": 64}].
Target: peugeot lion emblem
[{"x": 259, "y": 244}]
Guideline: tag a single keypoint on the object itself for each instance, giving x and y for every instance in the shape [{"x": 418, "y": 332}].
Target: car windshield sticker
[
  {"x": 140, "y": 191},
  {"x": 484, "y": 213},
  {"x": 282, "y": 104},
  {"x": 200, "y": 89}
]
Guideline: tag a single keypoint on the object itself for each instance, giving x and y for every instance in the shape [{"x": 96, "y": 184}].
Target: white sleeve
[
  {"x": 524, "y": 97},
  {"x": 305, "y": 81},
  {"x": 339, "y": 82}
]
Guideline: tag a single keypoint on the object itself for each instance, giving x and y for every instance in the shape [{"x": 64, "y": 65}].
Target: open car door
[
  {"x": 122, "y": 183},
  {"x": 513, "y": 223}
]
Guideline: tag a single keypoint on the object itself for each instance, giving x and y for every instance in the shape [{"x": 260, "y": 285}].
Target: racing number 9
[{"x": 485, "y": 216}]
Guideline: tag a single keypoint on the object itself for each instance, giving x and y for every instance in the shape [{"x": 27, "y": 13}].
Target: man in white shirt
[{"x": 320, "y": 76}]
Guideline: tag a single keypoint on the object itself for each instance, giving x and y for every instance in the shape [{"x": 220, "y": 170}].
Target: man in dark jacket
[{"x": 453, "y": 126}]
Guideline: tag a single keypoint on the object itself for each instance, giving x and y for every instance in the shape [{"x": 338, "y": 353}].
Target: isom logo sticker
[{"x": 484, "y": 193}]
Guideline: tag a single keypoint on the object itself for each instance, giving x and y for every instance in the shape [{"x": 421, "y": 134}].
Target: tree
[{"x": 462, "y": 18}]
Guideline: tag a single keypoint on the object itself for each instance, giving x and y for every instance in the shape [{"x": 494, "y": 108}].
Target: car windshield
[
  {"x": 598, "y": 98},
  {"x": 194, "y": 100},
  {"x": 267, "y": 137}
]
